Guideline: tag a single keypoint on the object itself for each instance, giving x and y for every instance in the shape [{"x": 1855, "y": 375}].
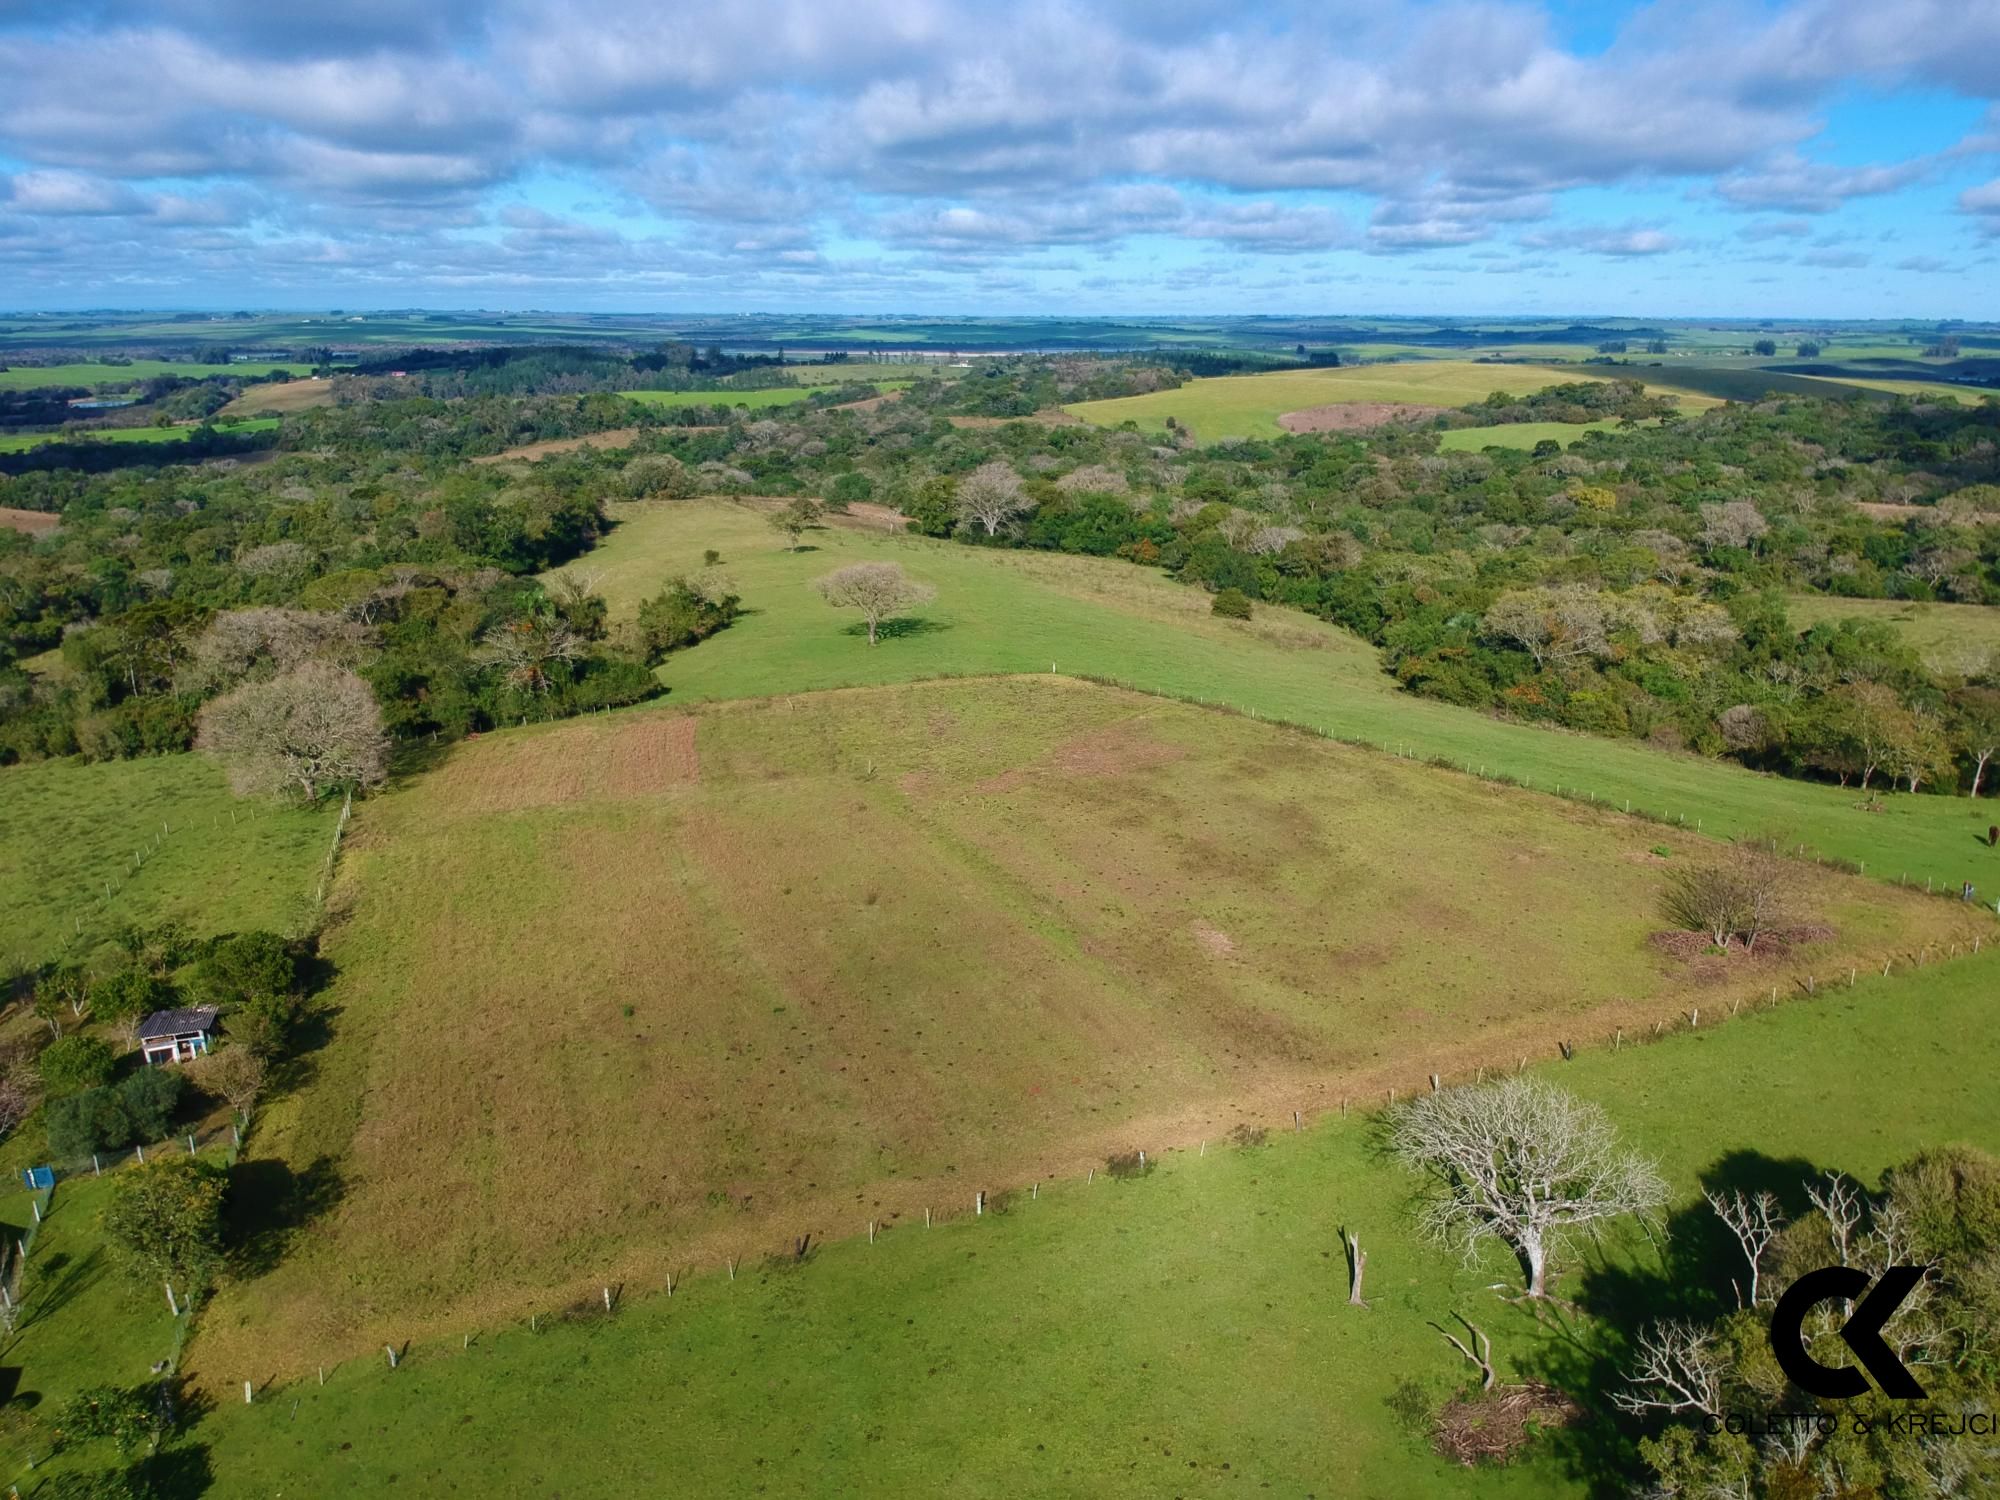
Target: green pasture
[
  {"x": 1238, "y": 406},
  {"x": 166, "y": 836},
  {"x": 1009, "y": 611},
  {"x": 1519, "y": 435},
  {"x": 22, "y": 442},
  {"x": 754, "y": 400},
  {"x": 1183, "y": 1333},
  {"x": 27, "y": 377},
  {"x": 1946, "y": 633}
]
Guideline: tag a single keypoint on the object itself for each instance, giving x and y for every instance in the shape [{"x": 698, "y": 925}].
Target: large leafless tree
[
  {"x": 879, "y": 590},
  {"x": 1523, "y": 1162},
  {"x": 991, "y": 496},
  {"x": 313, "y": 730}
]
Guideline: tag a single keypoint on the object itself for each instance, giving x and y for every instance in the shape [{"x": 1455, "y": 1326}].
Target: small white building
[{"x": 171, "y": 1036}]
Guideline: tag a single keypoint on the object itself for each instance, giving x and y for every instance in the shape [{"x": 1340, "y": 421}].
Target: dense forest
[{"x": 1631, "y": 585}]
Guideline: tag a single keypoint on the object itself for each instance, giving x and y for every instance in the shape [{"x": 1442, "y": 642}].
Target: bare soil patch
[
  {"x": 868, "y": 403},
  {"x": 616, "y": 437},
  {"x": 1354, "y": 416},
  {"x": 866, "y": 513},
  {"x": 33, "y": 522}
]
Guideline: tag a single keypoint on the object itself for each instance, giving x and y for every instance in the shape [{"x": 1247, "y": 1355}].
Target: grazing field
[
  {"x": 1238, "y": 406},
  {"x": 1951, "y": 634},
  {"x": 626, "y": 990},
  {"x": 1009, "y": 611},
  {"x": 1519, "y": 435},
  {"x": 280, "y": 396},
  {"x": 27, "y": 377},
  {"x": 23, "y": 441},
  {"x": 1185, "y": 1333},
  {"x": 1934, "y": 389},
  {"x": 221, "y": 865},
  {"x": 753, "y": 400},
  {"x": 32, "y": 522}
]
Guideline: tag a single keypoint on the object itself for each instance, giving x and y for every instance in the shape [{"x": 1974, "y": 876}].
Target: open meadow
[
  {"x": 1239, "y": 406},
  {"x": 27, "y": 377},
  {"x": 21, "y": 442},
  {"x": 1953, "y": 635},
  {"x": 1183, "y": 1333},
  {"x": 87, "y": 849},
  {"x": 609, "y": 1007},
  {"x": 1003, "y": 611}
]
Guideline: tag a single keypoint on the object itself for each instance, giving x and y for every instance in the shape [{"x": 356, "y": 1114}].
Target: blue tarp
[{"x": 40, "y": 1177}]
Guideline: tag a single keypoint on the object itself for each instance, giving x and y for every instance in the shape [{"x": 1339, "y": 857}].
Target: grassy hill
[
  {"x": 1009, "y": 611},
  {"x": 656, "y": 985},
  {"x": 1233, "y": 406},
  {"x": 1184, "y": 1333}
]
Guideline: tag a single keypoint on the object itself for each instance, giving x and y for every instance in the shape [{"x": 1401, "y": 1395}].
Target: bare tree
[
  {"x": 1679, "y": 1369},
  {"x": 1551, "y": 625},
  {"x": 528, "y": 649},
  {"x": 990, "y": 496},
  {"x": 1977, "y": 711},
  {"x": 240, "y": 643},
  {"x": 235, "y": 1072},
  {"x": 1523, "y": 1162},
  {"x": 1743, "y": 892},
  {"x": 1755, "y": 1221},
  {"x": 314, "y": 729},
  {"x": 879, "y": 590},
  {"x": 1737, "y": 523}
]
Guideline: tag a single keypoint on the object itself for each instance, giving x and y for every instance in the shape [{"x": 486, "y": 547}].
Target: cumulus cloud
[{"x": 248, "y": 139}]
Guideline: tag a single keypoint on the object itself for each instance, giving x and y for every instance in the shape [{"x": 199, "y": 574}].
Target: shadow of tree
[
  {"x": 269, "y": 1204},
  {"x": 1692, "y": 1273},
  {"x": 899, "y": 629}
]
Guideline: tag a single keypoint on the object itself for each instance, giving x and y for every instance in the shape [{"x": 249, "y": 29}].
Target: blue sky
[{"x": 1825, "y": 158}]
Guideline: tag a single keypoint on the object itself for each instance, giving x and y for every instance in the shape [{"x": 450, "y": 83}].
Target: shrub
[
  {"x": 150, "y": 1097},
  {"x": 246, "y": 964},
  {"x": 74, "y": 1064},
  {"x": 1231, "y": 604},
  {"x": 129, "y": 995},
  {"x": 80, "y": 1124},
  {"x": 1127, "y": 1164}
]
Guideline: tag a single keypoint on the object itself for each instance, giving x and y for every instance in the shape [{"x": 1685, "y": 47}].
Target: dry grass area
[
  {"x": 616, "y": 437},
  {"x": 281, "y": 396},
  {"x": 1354, "y": 416},
  {"x": 620, "y": 997},
  {"x": 33, "y": 522}
]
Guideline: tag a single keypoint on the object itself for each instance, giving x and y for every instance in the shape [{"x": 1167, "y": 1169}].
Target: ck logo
[{"x": 1862, "y": 1332}]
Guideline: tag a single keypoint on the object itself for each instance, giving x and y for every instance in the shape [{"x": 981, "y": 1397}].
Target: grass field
[
  {"x": 1233, "y": 406},
  {"x": 284, "y": 396},
  {"x": 26, "y": 377},
  {"x": 1970, "y": 395},
  {"x": 22, "y": 442},
  {"x": 1006, "y": 611},
  {"x": 69, "y": 829},
  {"x": 1519, "y": 435},
  {"x": 753, "y": 400},
  {"x": 607, "y": 1008},
  {"x": 1950, "y": 634},
  {"x": 1184, "y": 1334}
]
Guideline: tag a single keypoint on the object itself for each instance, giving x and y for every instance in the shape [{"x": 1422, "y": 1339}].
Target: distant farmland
[
  {"x": 21, "y": 442},
  {"x": 1237, "y": 406},
  {"x": 26, "y": 377}
]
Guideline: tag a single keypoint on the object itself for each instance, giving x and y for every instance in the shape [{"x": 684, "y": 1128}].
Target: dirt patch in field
[
  {"x": 872, "y": 517},
  {"x": 867, "y": 403},
  {"x": 1113, "y": 750},
  {"x": 1354, "y": 416},
  {"x": 617, "y": 437},
  {"x": 1704, "y": 963},
  {"x": 33, "y": 522},
  {"x": 1214, "y": 941}
]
